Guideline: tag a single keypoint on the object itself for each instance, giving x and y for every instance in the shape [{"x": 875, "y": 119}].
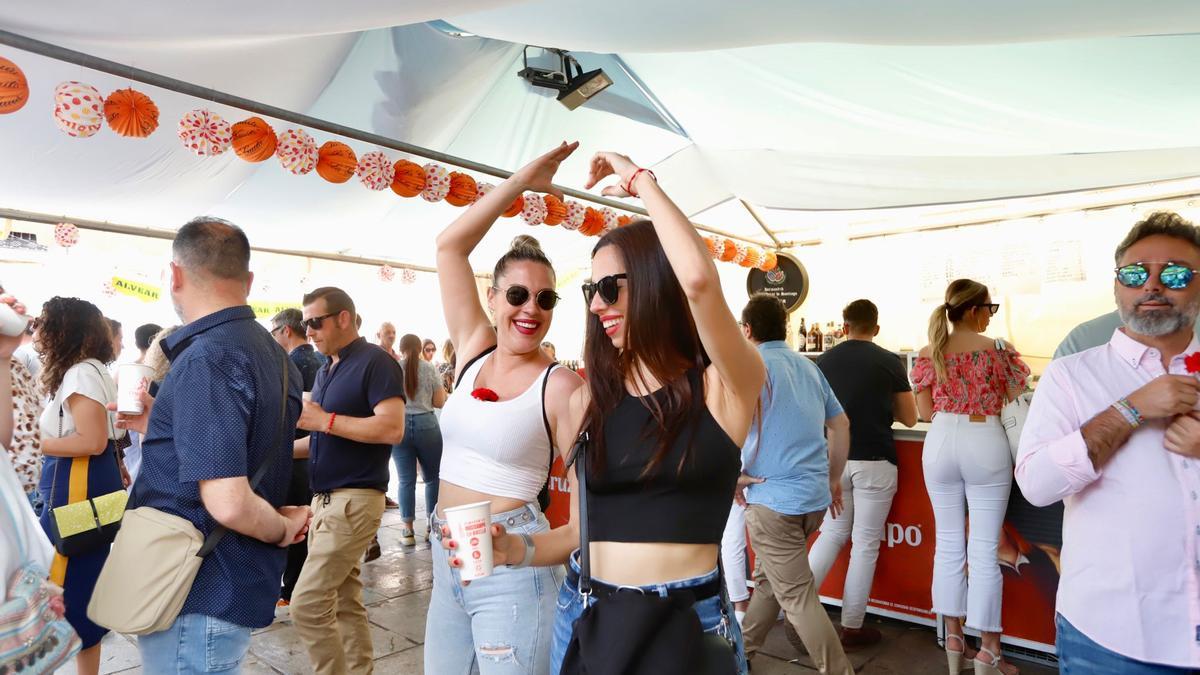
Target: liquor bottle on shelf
[
  {"x": 815, "y": 343},
  {"x": 828, "y": 337},
  {"x": 802, "y": 336}
]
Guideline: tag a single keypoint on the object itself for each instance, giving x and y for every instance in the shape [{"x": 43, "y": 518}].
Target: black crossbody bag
[{"x": 632, "y": 633}]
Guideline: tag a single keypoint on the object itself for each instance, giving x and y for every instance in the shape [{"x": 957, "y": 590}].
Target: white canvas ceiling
[{"x": 797, "y": 108}]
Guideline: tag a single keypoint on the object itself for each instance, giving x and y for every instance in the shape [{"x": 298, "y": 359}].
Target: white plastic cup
[
  {"x": 471, "y": 526},
  {"x": 11, "y": 323},
  {"x": 132, "y": 380}
]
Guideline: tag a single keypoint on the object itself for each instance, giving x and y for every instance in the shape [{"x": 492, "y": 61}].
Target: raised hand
[
  {"x": 538, "y": 175},
  {"x": 605, "y": 164}
]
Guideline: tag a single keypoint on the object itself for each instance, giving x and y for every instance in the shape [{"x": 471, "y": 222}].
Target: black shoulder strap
[
  {"x": 214, "y": 537},
  {"x": 579, "y": 458},
  {"x": 546, "y": 418},
  {"x": 470, "y": 363}
]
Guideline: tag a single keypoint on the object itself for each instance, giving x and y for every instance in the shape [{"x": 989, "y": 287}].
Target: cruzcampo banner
[{"x": 136, "y": 289}]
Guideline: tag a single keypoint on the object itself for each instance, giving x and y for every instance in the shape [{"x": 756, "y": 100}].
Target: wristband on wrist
[
  {"x": 527, "y": 559},
  {"x": 1130, "y": 413},
  {"x": 332, "y": 417},
  {"x": 632, "y": 179}
]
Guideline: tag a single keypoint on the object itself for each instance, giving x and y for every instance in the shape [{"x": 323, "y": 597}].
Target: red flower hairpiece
[
  {"x": 1192, "y": 363},
  {"x": 485, "y": 394}
]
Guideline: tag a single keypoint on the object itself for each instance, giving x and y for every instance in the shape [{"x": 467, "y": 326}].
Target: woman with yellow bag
[{"x": 80, "y": 480}]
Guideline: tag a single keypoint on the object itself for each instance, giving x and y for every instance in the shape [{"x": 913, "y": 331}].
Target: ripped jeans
[{"x": 498, "y": 625}]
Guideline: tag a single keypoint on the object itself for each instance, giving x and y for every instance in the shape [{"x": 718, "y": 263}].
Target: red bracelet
[
  {"x": 332, "y": 417},
  {"x": 629, "y": 185}
]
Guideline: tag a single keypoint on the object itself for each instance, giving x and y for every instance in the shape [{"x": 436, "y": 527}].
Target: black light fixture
[{"x": 574, "y": 86}]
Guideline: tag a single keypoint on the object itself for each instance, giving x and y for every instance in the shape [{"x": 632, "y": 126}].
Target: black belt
[{"x": 693, "y": 594}]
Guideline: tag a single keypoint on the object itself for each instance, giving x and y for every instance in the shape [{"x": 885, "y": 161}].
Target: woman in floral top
[{"x": 962, "y": 379}]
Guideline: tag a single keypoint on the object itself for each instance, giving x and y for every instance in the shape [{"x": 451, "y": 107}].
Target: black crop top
[{"x": 671, "y": 506}]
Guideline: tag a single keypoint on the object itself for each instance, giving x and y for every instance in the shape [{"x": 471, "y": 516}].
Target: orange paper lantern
[
  {"x": 752, "y": 258},
  {"x": 254, "y": 140},
  {"x": 728, "y": 251},
  {"x": 14, "y": 88},
  {"x": 769, "y": 262},
  {"x": 622, "y": 221},
  {"x": 516, "y": 207},
  {"x": 593, "y": 222},
  {"x": 336, "y": 162},
  {"x": 463, "y": 189},
  {"x": 131, "y": 113},
  {"x": 711, "y": 244},
  {"x": 556, "y": 210},
  {"x": 409, "y": 180}
]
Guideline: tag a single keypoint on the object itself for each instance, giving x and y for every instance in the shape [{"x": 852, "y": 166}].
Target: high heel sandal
[
  {"x": 955, "y": 659},
  {"x": 992, "y": 668}
]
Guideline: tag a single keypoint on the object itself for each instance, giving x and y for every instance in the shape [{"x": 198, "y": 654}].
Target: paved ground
[{"x": 397, "y": 595}]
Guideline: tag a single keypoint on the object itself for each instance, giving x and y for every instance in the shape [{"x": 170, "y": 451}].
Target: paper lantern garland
[
  {"x": 575, "y": 215},
  {"x": 556, "y": 210},
  {"x": 253, "y": 139},
  {"x": 14, "y": 88},
  {"x": 769, "y": 262},
  {"x": 66, "y": 235},
  {"x": 77, "y": 109},
  {"x": 593, "y": 222},
  {"x": 375, "y": 170},
  {"x": 516, "y": 207},
  {"x": 534, "y": 210},
  {"x": 408, "y": 179},
  {"x": 297, "y": 151},
  {"x": 712, "y": 244},
  {"x": 387, "y": 273},
  {"x": 205, "y": 133},
  {"x": 610, "y": 219},
  {"x": 408, "y": 276},
  {"x": 463, "y": 189},
  {"x": 482, "y": 189},
  {"x": 622, "y": 221},
  {"x": 437, "y": 183},
  {"x": 752, "y": 258},
  {"x": 131, "y": 113}
]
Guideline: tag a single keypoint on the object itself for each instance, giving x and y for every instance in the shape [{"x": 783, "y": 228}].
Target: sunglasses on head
[
  {"x": 519, "y": 295},
  {"x": 316, "y": 322},
  {"x": 607, "y": 287},
  {"x": 1173, "y": 275}
]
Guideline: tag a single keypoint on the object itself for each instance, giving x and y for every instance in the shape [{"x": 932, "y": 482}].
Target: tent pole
[
  {"x": 761, "y": 223},
  {"x": 169, "y": 235},
  {"x": 123, "y": 71}
]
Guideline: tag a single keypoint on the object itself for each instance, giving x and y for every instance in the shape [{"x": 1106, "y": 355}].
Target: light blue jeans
[
  {"x": 713, "y": 618},
  {"x": 195, "y": 643},
  {"x": 498, "y": 625},
  {"x": 422, "y": 444},
  {"x": 1079, "y": 655}
]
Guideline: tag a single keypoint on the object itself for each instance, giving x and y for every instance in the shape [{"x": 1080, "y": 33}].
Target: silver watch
[{"x": 529, "y": 549}]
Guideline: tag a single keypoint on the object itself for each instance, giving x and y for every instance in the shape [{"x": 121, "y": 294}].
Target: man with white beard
[{"x": 1114, "y": 432}]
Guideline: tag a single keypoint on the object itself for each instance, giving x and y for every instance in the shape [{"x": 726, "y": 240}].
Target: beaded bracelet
[{"x": 332, "y": 417}]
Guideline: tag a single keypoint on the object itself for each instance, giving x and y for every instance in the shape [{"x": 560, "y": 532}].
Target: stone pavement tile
[
  {"x": 407, "y": 662},
  {"x": 396, "y": 574},
  {"x": 283, "y": 650},
  {"x": 117, "y": 653},
  {"x": 404, "y": 615}
]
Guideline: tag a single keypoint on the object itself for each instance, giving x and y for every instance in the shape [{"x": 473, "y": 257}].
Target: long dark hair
[
  {"x": 410, "y": 349},
  {"x": 660, "y": 334},
  {"x": 71, "y": 330}
]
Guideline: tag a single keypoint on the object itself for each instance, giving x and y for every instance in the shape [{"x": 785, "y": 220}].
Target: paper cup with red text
[{"x": 471, "y": 526}]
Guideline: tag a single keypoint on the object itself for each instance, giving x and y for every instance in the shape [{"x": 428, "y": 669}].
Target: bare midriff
[
  {"x": 451, "y": 495},
  {"x": 640, "y": 564}
]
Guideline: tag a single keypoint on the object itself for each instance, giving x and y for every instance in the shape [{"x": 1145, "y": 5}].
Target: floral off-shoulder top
[{"x": 976, "y": 382}]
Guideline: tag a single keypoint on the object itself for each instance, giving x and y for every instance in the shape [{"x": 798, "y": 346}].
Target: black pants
[{"x": 299, "y": 494}]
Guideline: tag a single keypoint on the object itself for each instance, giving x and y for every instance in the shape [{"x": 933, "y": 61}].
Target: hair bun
[{"x": 526, "y": 244}]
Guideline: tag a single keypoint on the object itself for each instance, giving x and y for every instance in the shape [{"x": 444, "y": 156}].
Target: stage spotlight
[{"x": 574, "y": 86}]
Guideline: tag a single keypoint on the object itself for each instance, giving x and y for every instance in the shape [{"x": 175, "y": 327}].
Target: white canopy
[{"x": 795, "y": 107}]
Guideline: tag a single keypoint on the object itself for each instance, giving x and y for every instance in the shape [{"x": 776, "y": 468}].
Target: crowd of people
[{"x": 682, "y": 446}]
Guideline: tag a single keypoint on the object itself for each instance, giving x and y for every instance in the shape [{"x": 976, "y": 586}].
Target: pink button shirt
[{"x": 1131, "y": 532}]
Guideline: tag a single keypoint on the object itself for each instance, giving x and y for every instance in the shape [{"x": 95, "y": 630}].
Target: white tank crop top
[{"x": 496, "y": 447}]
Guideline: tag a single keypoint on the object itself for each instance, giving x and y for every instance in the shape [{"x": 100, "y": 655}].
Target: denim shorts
[{"x": 713, "y": 617}]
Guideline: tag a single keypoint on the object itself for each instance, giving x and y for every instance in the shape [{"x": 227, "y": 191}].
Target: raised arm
[
  {"x": 470, "y": 329},
  {"x": 737, "y": 362}
]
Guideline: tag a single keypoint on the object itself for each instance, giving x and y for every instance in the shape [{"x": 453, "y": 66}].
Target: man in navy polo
[
  {"x": 215, "y": 421},
  {"x": 356, "y": 414}
]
